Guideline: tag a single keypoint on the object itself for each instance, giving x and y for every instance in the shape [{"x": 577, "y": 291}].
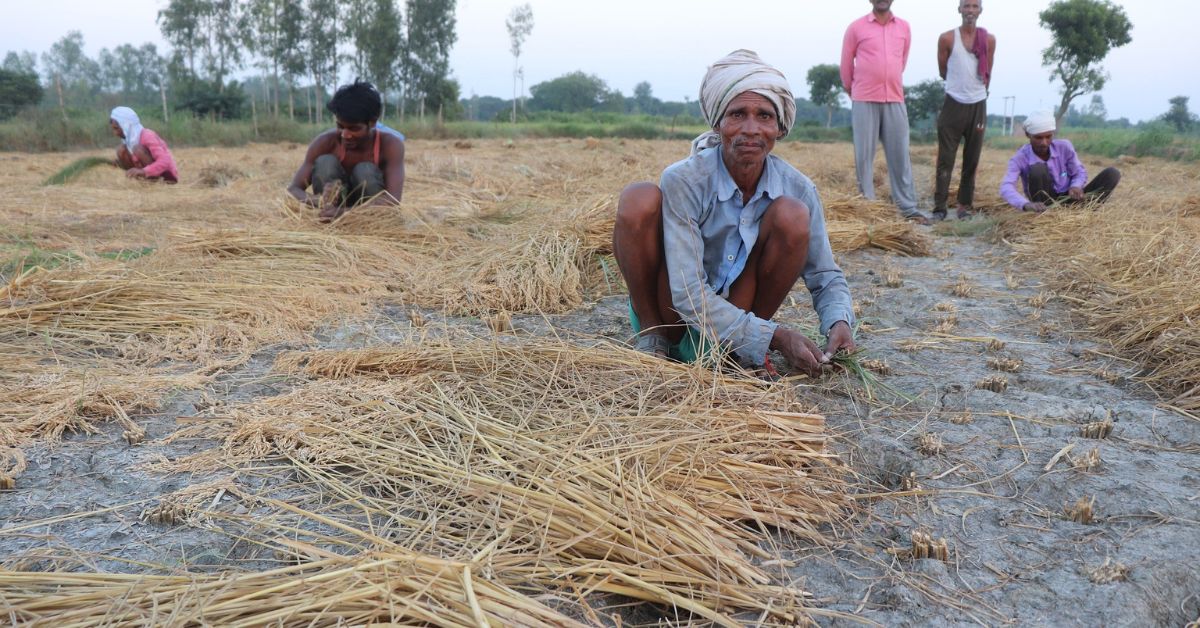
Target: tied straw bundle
[{"x": 593, "y": 469}]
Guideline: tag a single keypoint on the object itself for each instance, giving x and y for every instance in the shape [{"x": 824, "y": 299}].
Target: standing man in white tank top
[{"x": 965, "y": 57}]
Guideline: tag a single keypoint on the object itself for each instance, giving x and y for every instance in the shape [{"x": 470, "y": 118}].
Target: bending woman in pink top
[{"x": 142, "y": 154}]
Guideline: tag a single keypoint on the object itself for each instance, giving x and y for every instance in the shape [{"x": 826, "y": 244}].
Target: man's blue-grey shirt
[{"x": 708, "y": 232}]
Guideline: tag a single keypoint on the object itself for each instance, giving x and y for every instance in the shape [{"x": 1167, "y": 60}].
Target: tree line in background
[{"x": 301, "y": 48}]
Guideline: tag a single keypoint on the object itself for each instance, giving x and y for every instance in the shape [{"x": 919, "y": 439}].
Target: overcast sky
[{"x": 670, "y": 43}]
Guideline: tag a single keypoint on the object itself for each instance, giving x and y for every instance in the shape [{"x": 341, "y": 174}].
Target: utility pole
[{"x": 1010, "y": 114}]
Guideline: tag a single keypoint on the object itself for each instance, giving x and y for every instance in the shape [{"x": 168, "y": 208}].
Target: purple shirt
[{"x": 1064, "y": 165}]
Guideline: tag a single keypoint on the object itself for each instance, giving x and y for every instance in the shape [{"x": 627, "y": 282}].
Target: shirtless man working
[{"x": 359, "y": 162}]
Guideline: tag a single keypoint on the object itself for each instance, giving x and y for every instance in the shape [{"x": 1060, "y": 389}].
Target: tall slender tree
[
  {"x": 182, "y": 25},
  {"x": 321, "y": 32},
  {"x": 519, "y": 25},
  {"x": 384, "y": 40},
  {"x": 20, "y": 62},
  {"x": 227, "y": 29},
  {"x": 825, "y": 89},
  {"x": 72, "y": 74},
  {"x": 430, "y": 36},
  {"x": 133, "y": 72}
]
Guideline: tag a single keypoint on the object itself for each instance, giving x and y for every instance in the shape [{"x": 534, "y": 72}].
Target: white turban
[
  {"x": 1040, "y": 122},
  {"x": 739, "y": 72},
  {"x": 130, "y": 125}
]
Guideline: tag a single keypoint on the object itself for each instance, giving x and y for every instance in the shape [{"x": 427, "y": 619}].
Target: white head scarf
[
  {"x": 128, "y": 120},
  {"x": 1040, "y": 122},
  {"x": 738, "y": 72}
]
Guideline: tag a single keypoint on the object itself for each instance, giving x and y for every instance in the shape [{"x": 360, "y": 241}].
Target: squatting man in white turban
[
  {"x": 710, "y": 254},
  {"x": 1050, "y": 171}
]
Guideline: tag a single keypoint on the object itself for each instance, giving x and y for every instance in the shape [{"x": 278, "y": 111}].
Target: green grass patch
[
  {"x": 18, "y": 255},
  {"x": 1152, "y": 140},
  {"x": 74, "y": 169},
  {"x": 965, "y": 228}
]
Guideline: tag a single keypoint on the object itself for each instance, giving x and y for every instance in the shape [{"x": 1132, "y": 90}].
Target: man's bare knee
[
  {"x": 788, "y": 217},
  {"x": 640, "y": 205}
]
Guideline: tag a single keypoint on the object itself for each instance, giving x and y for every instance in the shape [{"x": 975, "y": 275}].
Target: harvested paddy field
[{"x": 216, "y": 411}]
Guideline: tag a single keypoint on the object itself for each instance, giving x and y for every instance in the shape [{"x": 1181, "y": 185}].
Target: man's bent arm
[
  {"x": 393, "y": 176},
  {"x": 1008, "y": 185},
  {"x": 849, "y": 49},
  {"x": 991, "y": 59},
  {"x": 822, "y": 276},
  {"x": 696, "y": 302},
  {"x": 303, "y": 177},
  {"x": 945, "y": 45}
]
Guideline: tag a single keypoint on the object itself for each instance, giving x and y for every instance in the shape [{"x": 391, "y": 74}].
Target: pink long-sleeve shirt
[
  {"x": 873, "y": 59},
  {"x": 164, "y": 163}
]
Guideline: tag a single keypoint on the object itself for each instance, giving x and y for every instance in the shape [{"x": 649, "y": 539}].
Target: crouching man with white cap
[
  {"x": 1050, "y": 171},
  {"x": 710, "y": 254}
]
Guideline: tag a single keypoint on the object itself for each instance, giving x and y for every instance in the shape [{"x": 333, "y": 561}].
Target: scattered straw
[
  {"x": 1129, "y": 270},
  {"x": 596, "y": 466}
]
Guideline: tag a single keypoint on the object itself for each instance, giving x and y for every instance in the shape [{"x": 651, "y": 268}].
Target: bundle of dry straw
[
  {"x": 856, "y": 223},
  {"x": 586, "y": 469},
  {"x": 393, "y": 587},
  {"x": 1130, "y": 270},
  {"x": 205, "y": 297}
]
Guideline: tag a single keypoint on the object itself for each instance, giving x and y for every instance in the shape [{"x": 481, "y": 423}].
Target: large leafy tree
[
  {"x": 70, "y": 71},
  {"x": 20, "y": 62},
  {"x": 924, "y": 101},
  {"x": 644, "y": 100},
  {"x": 519, "y": 25},
  {"x": 135, "y": 73},
  {"x": 18, "y": 89},
  {"x": 575, "y": 91},
  {"x": 1179, "y": 116},
  {"x": 825, "y": 89},
  {"x": 1083, "y": 32}
]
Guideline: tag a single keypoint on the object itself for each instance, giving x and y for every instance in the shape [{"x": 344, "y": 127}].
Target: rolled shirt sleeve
[
  {"x": 696, "y": 301},
  {"x": 1008, "y": 185}
]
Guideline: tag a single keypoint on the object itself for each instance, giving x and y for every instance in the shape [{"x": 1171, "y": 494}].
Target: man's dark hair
[{"x": 356, "y": 103}]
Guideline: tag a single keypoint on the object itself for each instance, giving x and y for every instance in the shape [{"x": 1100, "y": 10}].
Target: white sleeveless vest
[{"x": 962, "y": 74}]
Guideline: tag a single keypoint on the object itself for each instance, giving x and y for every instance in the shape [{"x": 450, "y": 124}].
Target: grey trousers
[
  {"x": 364, "y": 182},
  {"x": 873, "y": 122}
]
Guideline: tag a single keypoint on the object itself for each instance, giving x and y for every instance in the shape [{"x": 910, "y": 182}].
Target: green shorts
[{"x": 687, "y": 350}]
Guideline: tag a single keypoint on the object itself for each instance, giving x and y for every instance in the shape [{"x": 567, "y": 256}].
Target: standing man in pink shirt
[
  {"x": 142, "y": 153},
  {"x": 874, "y": 53}
]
